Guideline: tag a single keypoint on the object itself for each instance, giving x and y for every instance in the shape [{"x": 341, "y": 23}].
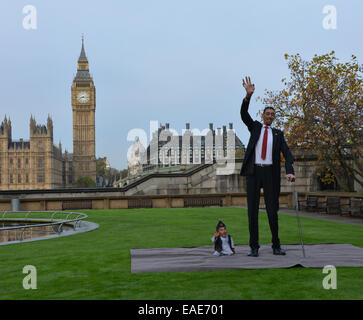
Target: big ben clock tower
[{"x": 83, "y": 107}]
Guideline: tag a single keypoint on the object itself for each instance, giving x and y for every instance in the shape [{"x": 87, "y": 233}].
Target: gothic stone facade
[
  {"x": 33, "y": 164},
  {"x": 37, "y": 163}
]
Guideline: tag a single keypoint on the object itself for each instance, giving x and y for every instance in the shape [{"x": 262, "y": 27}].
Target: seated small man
[{"x": 223, "y": 242}]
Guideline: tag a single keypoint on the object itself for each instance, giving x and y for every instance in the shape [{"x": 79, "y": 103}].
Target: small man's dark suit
[{"x": 268, "y": 177}]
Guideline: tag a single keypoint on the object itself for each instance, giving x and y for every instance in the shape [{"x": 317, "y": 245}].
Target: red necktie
[{"x": 264, "y": 144}]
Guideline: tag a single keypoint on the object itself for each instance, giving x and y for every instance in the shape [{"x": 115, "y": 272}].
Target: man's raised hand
[{"x": 250, "y": 87}]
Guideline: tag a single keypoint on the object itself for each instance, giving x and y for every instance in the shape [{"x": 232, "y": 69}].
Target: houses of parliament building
[{"x": 38, "y": 163}]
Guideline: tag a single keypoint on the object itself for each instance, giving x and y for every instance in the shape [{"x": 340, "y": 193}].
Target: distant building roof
[
  {"x": 19, "y": 144},
  {"x": 83, "y": 75},
  {"x": 82, "y": 56}
]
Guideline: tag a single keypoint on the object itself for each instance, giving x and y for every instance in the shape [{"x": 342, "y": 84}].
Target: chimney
[
  {"x": 230, "y": 125},
  {"x": 187, "y": 126},
  {"x": 211, "y": 126},
  {"x": 167, "y": 126}
]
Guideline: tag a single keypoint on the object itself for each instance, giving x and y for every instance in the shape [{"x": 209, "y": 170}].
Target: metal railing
[{"x": 47, "y": 219}]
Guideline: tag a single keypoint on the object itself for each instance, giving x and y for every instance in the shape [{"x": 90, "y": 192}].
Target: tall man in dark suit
[{"x": 262, "y": 168}]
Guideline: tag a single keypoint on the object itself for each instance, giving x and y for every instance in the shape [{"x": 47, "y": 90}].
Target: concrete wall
[{"x": 40, "y": 202}]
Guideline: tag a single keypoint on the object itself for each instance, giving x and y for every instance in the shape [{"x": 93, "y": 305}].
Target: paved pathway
[
  {"x": 330, "y": 217},
  {"x": 322, "y": 216}
]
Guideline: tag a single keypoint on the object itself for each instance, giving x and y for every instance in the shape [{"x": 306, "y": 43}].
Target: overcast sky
[{"x": 163, "y": 60}]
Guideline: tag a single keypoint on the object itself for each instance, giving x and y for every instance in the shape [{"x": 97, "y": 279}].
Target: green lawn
[{"x": 96, "y": 265}]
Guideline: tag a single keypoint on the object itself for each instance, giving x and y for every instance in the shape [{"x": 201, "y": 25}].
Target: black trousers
[{"x": 262, "y": 178}]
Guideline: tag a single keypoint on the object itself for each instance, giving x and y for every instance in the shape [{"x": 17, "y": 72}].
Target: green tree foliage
[
  {"x": 85, "y": 182},
  {"x": 124, "y": 173}
]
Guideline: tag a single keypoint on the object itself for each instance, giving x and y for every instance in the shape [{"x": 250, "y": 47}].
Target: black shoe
[
  {"x": 279, "y": 251},
  {"x": 253, "y": 253}
]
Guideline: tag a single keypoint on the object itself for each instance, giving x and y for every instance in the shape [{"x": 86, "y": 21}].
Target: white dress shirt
[
  {"x": 226, "y": 250},
  {"x": 258, "y": 148}
]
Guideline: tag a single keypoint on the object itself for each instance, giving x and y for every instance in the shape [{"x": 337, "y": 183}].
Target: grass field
[{"x": 96, "y": 264}]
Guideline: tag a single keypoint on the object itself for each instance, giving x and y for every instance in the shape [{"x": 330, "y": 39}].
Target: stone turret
[
  {"x": 5, "y": 129},
  {"x": 41, "y": 130},
  {"x": 5, "y": 134},
  {"x": 50, "y": 126}
]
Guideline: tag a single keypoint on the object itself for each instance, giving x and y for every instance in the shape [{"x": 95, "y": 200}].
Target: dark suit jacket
[{"x": 278, "y": 145}]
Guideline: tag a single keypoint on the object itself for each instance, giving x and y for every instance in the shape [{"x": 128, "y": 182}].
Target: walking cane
[{"x": 297, "y": 215}]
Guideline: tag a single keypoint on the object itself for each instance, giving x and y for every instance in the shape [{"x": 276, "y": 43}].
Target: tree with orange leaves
[{"x": 320, "y": 109}]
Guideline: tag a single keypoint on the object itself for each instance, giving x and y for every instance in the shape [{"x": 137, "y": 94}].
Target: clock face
[{"x": 83, "y": 97}]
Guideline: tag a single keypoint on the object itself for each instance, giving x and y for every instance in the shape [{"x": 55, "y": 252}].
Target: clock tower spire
[
  {"x": 83, "y": 108},
  {"x": 83, "y": 67}
]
